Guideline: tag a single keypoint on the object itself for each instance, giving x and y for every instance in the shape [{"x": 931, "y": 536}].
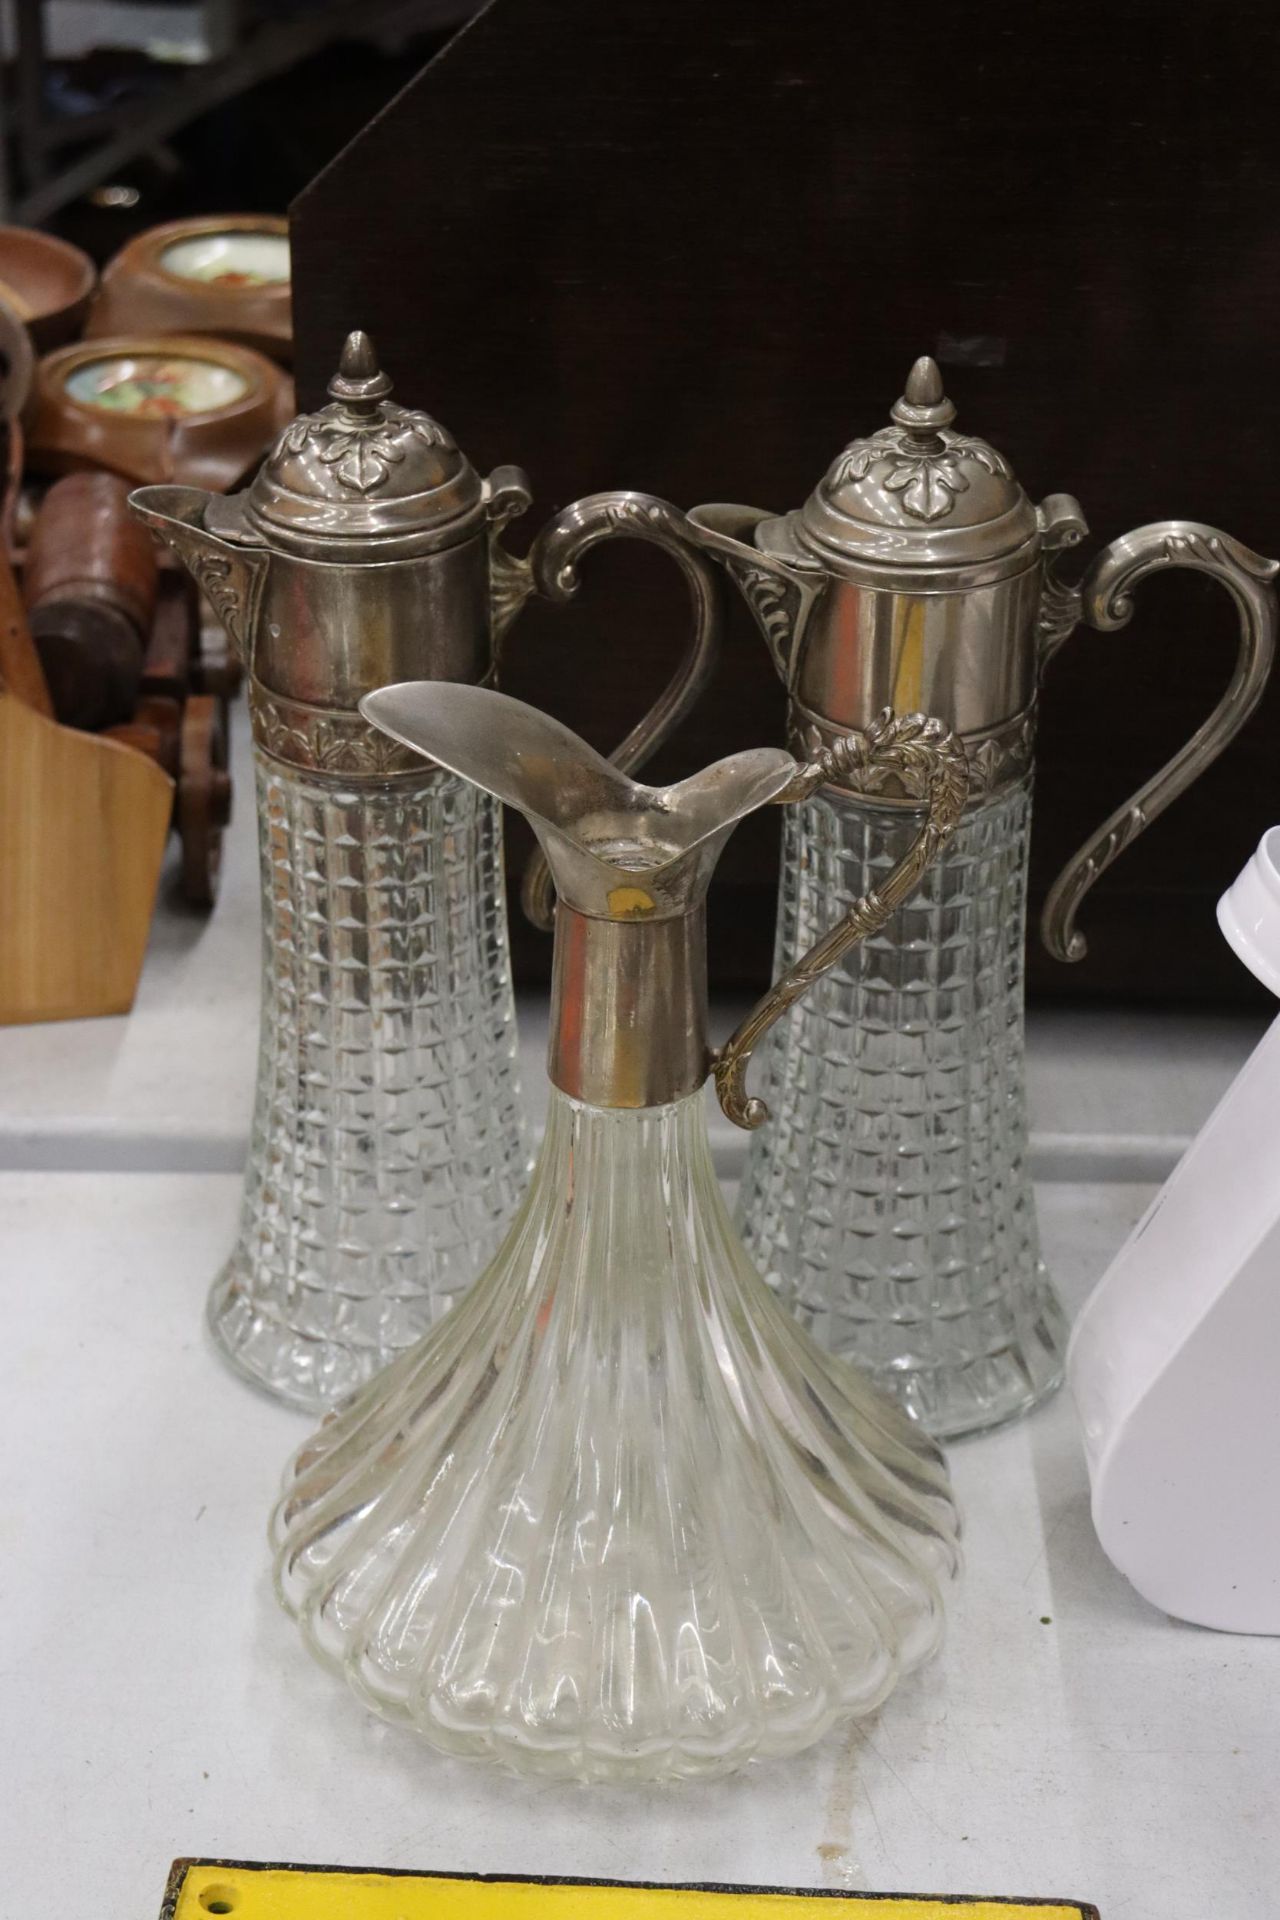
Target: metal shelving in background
[{"x": 190, "y": 58}]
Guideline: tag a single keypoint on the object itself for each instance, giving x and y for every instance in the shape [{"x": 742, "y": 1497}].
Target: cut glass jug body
[
  {"x": 891, "y": 1203},
  {"x": 388, "y": 1148},
  {"x": 617, "y": 1517}
]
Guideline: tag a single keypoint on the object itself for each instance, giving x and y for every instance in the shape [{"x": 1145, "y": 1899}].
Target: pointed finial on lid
[
  {"x": 924, "y": 384},
  {"x": 359, "y": 381},
  {"x": 924, "y": 407}
]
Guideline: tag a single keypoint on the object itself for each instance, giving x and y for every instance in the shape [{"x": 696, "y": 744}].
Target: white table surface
[{"x": 1069, "y": 1741}]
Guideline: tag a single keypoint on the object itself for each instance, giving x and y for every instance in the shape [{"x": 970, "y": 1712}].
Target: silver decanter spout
[
  {"x": 617, "y": 848},
  {"x": 631, "y": 865},
  {"x": 778, "y": 592},
  {"x": 230, "y": 573}
]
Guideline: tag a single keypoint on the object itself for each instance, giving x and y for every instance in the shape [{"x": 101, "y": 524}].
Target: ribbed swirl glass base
[
  {"x": 888, "y": 1198},
  {"x": 388, "y": 1149},
  {"x": 617, "y": 1517}
]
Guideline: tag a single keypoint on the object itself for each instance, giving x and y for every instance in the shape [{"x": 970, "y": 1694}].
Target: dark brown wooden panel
[{"x": 694, "y": 248}]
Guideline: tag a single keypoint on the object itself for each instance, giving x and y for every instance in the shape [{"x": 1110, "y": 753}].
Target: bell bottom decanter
[
  {"x": 388, "y": 1146},
  {"x": 891, "y": 1204},
  {"x": 617, "y": 1517}
]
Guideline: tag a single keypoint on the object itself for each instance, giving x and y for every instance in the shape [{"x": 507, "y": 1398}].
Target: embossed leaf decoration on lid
[
  {"x": 915, "y": 492},
  {"x": 363, "y": 466}
]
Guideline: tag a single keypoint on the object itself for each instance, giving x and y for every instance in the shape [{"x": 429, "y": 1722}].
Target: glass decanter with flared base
[
  {"x": 388, "y": 1146},
  {"x": 889, "y": 1201},
  {"x": 617, "y": 1517}
]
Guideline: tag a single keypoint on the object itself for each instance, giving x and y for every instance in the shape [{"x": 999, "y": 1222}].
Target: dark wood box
[{"x": 695, "y": 248}]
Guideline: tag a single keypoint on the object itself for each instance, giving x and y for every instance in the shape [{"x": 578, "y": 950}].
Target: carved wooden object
[{"x": 90, "y": 588}]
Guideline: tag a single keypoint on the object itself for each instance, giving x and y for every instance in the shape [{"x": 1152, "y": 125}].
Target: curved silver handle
[
  {"x": 1107, "y": 604},
  {"x": 553, "y": 565},
  {"x": 918, "y": 756}
]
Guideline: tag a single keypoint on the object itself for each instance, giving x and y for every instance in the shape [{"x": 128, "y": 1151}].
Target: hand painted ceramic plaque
[
  {"x": 227, "y": 275},
  {"x": 232, "y": 259},
  {"x": 155, "y": 386},
  {"x": 154, "y": 408}
]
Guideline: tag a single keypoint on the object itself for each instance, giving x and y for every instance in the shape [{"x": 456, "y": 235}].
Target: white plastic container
[{"x": 1175, "y": 1359}]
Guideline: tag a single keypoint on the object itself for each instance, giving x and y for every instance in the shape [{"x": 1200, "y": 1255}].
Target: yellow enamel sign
[{"x": 211, "y": 1890}]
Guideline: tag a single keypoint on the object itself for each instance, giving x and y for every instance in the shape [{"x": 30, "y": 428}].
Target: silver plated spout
[
  {"x": 618, "y": 849},
  {"x": 230, "y": 573},
  {"x": 632, "y": 864}
]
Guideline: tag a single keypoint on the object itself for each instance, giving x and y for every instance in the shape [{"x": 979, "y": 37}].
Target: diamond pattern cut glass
[
  {"x": 388, "y": 1145},
  {"x": 890, "y": 1203}
]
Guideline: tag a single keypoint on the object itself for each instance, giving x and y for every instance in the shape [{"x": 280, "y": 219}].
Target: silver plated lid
[
  {"x": 363, "y": 472},
  {"x": 913, "y": 494}
]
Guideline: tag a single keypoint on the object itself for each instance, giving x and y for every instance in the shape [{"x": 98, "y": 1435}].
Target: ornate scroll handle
[
  {"x": 553, "y": 563},
  {"x": 1106, "y": 602},
  {"x": 929, "y": 762}
]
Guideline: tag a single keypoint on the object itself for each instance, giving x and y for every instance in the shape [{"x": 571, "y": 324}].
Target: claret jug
[
  {"x": 890, "y": 1203},
  {"x": 616, "y": 1516},
  {"x": 388, "y": 1146}
]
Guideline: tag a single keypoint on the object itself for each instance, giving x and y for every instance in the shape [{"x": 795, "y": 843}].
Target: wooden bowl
[
  {"x": 17, "y": 370},
  {"x": 46, "y": 282},
  {"x": 167, "y": 407},
  {"x": 226, "y": 274},
  {"x": 17, "y": 363}
]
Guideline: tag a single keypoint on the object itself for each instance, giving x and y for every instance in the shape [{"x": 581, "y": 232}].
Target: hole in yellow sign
[{"x": 218, "y": 1899}]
